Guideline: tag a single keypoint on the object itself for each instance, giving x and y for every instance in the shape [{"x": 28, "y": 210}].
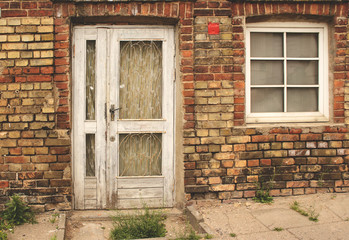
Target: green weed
[
  {"x": 149, "y": 224},
  {"x": 54, "y": 237},
  {"x": 208, "y": 236},
  {"x": 311, "y": 214},
  {"x": 263, "y": 189},
  {"x": 3, "y": 235},
  {"x": 189, "y": 236},
  {"x": 17, "y": 212},
  {"x": 232, "y": 235},
  {"x": 278, "y": 229},
  {"x": 54, "y": 217}
]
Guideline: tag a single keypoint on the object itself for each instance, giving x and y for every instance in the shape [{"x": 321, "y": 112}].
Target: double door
[{"x": 123, "y": 116}]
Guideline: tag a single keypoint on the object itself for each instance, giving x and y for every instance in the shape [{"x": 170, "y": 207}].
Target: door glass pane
[
  {"x": 90, "y": 79},
  {"x": 302, "y": 72},
  {"x": 302, "y": 44},
  {"x": 140, "y": 154},
  {"x": 140, "y": 80},
  {"x": 302, "y": 99},
  {"x": 267, "y": 100},
  {"x": 90, "y": 155},
  {"x": 266, "y": 45},
  {"x": 267, "y": 72}
]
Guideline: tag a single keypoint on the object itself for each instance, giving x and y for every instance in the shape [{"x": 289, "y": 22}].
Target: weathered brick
[{"x": 251, "y": 155}]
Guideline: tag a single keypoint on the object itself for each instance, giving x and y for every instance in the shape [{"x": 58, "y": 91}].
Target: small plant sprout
[
  {"x": 278, "y": 229},
  {"x": 313, "y": 216},
  {"x": 232, "y": 235},
  {"x": 189, "y": 234},
  {"x": 311, "y": 213},
  {"x": 208, "y": 236},
  {"x": 54, "y": 217},
  {"x": 263, "y": 189}
]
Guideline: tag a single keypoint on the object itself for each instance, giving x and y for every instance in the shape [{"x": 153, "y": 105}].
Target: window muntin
[{"x": 286, "y": 71}]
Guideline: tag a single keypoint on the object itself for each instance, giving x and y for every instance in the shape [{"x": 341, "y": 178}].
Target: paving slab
[
  {"x": 339, "y": 205},
  {"x": 338, "y": 231},
  {"x": 251, "y": 220},
  {"x": 283, "y": 235},
  {"x": 47, "y": 227}
]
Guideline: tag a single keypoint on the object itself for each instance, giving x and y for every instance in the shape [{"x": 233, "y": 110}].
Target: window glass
[
  {"x": 140, "y": 154},
  {"x": 302, "y": 45},
  {"x": 267, "y": 72},
  {"x": 140, "y": 80},
  {"x": 266, "y": 45},
  {"x": 302, "y": 72},
  {"x": 267, "y": 99}
]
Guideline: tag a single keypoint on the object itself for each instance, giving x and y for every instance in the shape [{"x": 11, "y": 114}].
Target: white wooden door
[{"x": 123, "y": 117}]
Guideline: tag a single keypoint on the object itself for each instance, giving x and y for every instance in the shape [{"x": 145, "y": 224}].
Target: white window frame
[{"x": 323, "y": 96}]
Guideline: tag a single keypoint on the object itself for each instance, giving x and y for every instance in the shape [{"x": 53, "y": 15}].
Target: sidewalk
[{"x": 250, "y": 220}]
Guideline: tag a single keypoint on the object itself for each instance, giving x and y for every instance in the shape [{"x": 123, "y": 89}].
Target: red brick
[
  {"x": 13, "y": 13},
  {"x": 17, "y": 159},
  {"x": 263, "y": 138},
  {"x": 4, "y": 184}
]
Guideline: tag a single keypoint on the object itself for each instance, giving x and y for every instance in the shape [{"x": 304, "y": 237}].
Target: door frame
[{"x": 105, "y": 195}]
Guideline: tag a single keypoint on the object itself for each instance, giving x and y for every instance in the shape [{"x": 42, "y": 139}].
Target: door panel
[{"x": 123, "y": 117}]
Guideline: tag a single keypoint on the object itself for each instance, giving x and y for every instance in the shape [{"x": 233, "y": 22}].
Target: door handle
[{"x": 112, "y": 111}]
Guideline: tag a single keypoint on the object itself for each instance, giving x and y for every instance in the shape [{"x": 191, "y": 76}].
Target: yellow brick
[
  {"x": 226, "y": 36},
  {"x": 3, "y": 55},
  {"x": 45, "y": 29},
  {"x": 27, "y": 38},
  {"x": 7, "y": 63},
  {"x": 13, "y": 54},
  {"x": 7, "y": 30},
  {"x": 31, "y": 21},
  {"x": 3, "y": 38},
  {"x": 3, "y": 22},
  {"x": 42, "y": 45},
  {"x": 41, "y": 62},
  {"x": 36, "y": 54},
  {"x": 13, "y": 86},
  {"x": 48, "y": 110},
  {"x": 14, "y": 46},
  {"x": 26, "y": 54},
  {"x": 27, "y": 86},
  {"x": 14, "y": 22},
  {"x": 37, "y": 38},
  {"x": 47, "y": 21},
  {"x": 21, "y": 63},
  {"x": 46, "y": 54},
  {"x": 14, "y": 38},
  {"x": 46, "y": 85},
  {"x": 46, "y": 37},
  {"x": 36, "y": 94},
  {"x": 26, "y": 29}
]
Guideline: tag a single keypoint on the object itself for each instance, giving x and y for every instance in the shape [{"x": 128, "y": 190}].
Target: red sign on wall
[{"x": 213, "y": 28}]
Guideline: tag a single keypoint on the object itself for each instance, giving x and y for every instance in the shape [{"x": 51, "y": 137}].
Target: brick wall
[
  {"x": 223, "y": 157},
  {"x": 226, "y": 157},
  {"x": 34, "y": 146}
]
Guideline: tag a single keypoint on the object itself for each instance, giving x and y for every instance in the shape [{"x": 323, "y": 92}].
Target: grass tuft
[
  {"x": 311, "y": 214},
  {"x": 149, "y": 224}
]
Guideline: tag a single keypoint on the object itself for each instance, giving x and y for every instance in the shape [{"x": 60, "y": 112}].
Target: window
[{"x": 287, "y": 72}]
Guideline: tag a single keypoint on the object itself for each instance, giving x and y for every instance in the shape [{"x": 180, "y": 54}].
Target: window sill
[{"x": 290, "y": 125}]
